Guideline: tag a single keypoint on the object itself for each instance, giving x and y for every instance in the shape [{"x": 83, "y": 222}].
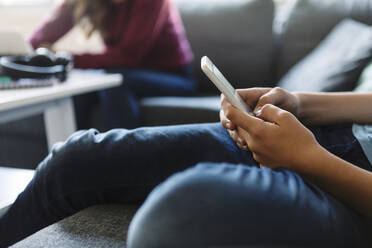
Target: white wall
[{"x": 26, "y": 19}]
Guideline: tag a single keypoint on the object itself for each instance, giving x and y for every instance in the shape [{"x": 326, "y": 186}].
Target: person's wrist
[
  {"x": 303, "y": 111},
  {"x": 309, "y": 161},
  {"x": 299, "y": 104}
]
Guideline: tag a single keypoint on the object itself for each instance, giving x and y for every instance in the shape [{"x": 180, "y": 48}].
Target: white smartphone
[{"x": 223, "y": 85}]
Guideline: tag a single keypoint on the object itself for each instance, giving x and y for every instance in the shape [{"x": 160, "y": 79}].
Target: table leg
[{"x": 59, "y": 119}]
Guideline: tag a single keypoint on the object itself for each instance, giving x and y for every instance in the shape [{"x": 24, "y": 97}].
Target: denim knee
[
  {"x": 67, "y": 164},
  {"x": 162, "y": 206},
  {"x": 205, "y": 206},
  {"x": 172, "y": 215},
  {"x": 92, "y": 163}
]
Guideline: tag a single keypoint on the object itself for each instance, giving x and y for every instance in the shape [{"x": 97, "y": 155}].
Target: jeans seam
[{"x": 90, "y": 189}]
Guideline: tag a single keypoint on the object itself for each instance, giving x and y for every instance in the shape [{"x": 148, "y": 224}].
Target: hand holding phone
[{"x": 223, "y": 85}]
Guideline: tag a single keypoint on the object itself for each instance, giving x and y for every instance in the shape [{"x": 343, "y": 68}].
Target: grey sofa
[{"x": 253, "y": 44}]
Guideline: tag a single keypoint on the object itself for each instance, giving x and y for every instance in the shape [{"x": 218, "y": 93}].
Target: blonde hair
[{"x": 92, "y": 15}]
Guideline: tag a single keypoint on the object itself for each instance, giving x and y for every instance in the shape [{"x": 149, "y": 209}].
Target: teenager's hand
[
  {"x": 251, "y": 96},
  {"x": 233, "y": 132},
  {"x": 275, "y": 137},
  {"x": 256, "y": 98},
  {"x": 276, "y": 96}
]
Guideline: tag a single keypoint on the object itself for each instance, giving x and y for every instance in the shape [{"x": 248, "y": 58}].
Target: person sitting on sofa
[
  {"x": 266, "y": 180},
  {"x": 145, "y": 41}
]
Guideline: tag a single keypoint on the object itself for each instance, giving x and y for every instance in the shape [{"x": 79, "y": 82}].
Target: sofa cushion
[
  {"x": 308, "y": 22},
  {"x": 337, "y": 62},
  {"x": 98, "y": 226},
  {"x": 179, "y": 110},
  {"x": 235, "y": 34}
]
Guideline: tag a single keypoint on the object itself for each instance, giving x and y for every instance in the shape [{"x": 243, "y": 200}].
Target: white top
[
  {"x": 364, "y": 132},
  {"x": 79, "y": 82},
  {"x": 364, "y": 135}
]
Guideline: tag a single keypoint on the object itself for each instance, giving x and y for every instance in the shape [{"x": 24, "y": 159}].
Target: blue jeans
[
  {"x": 209, "y": 192},
  {"x": 120, "y": 104}
]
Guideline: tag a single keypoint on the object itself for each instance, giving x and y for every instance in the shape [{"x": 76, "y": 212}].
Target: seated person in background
[
  {"x": 274, "y": 182},
  {"x": 145, "y": 41}
]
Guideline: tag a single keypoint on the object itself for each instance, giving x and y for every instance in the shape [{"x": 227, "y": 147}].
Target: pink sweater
[{"x": 144, "y": 33}]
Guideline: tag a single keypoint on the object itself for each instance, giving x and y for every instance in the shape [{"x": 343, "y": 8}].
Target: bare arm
[
  {"x": 309, "y": 108},
  {"x": 347, "y": 182},
  {"x": 273, "y": 134},
  {"x": 332, "y": 108},
  {"x": 54, "y": 26}
]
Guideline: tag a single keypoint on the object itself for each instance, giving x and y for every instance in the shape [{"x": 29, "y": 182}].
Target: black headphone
[{"x": 41, "y": 65}]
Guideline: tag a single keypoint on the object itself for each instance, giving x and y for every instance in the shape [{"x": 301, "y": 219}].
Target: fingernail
[
  {"x": 228, "y": 125},
  {"x": 258, "y": 111}
]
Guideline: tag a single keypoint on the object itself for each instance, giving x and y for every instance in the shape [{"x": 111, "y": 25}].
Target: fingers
[
  {"x": 48, "y": 46},
  {"x": 258, "y": 97},
  {"x": 240, "y": 118},
  {"x": 239, "y": 140},
  {"x": 252, "y": 95},
  {"x": 243, "y": 147},
  {"x": 273, "y": 114},
  {"x": 226, "y": 123},
  {"x": 231, "y": 129},
  {"x": 274, "y": 96}
]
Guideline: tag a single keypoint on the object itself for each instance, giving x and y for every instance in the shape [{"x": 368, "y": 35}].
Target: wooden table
[{"x": 54, "y": 102}]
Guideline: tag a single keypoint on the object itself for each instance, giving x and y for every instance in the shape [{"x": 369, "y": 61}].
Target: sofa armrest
[
  {"x": 98, "y": 226},
  {"x": 179, "y": 110}
]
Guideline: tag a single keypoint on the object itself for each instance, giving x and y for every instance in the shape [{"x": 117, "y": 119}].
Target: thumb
[
  {"x": 272, "y": 114},
  {"x": 242, "y": 119},
  {"x": 272, "y": 97},
  {"x": 252, "y": 95}
]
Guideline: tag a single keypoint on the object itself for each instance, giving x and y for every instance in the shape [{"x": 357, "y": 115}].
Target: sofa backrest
[
  {"x": 307, "y": 22},
  {"x": 235, "y": 34}
]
